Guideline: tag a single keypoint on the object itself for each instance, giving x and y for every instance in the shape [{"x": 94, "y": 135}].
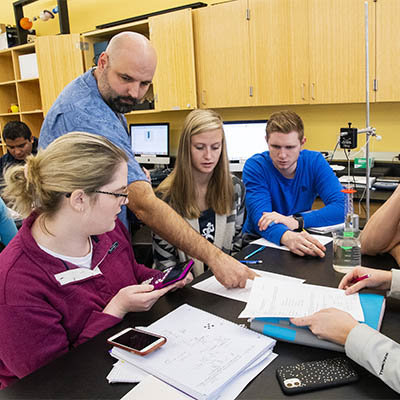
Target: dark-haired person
[
  {"x": 20, "y": 143},
  {"x": 96, "y": 102},
  {"x": 202, "y": 190},
  {"x": 282, "y": 184},
  {"x": 70, "y": 271}
]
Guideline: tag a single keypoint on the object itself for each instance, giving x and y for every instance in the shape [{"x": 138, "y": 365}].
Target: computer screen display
[
  {"x": 244, "y": 139},
  {"x": 150, "y": 139}
]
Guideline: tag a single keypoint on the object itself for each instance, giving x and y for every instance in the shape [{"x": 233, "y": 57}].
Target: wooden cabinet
[
  {"x": 59, "y": 62},
  {"x": 279, "y": 47},
  {"x": 278, "y": 52},
  {"x": 222, "y": 53},
  {"x": 388, "y": 50},
  {"x": 337, "y": 50},
  {"x": 174, "y": 83},
  {"x": 24, "y": 93}
]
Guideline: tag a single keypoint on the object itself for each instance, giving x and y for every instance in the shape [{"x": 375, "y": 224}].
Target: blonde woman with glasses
[
  {"x": 70, "y": 272},
  {"x": 202, "y": 190}
]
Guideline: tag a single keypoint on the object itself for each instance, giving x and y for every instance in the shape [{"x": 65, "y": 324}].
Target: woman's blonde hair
[
  {"x": 178, "y": 188},
  {"x": 74, "y": 161}
]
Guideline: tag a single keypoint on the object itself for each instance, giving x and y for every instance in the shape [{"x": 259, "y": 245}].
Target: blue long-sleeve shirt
[
  {"x": 7, "y": 226},
  {"x": 268, "y": 190},
  {"x": 80, "y": 107}
]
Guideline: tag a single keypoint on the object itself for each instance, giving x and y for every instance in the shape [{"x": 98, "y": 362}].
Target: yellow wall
[
  {"x": 322, "y": 123},
  {"x": 84, "y": 15}
]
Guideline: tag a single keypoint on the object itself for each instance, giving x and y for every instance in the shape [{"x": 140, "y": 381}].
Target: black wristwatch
[{"x": 300, "y": 221}]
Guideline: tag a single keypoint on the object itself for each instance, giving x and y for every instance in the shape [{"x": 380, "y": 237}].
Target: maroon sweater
[{"x": 40, "y": 319}]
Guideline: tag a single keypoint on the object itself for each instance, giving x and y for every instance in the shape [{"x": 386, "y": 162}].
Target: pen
[
  {"x": 254, "y": 252},
  {"x": 251, "y": 261},
  {"x": 361, "y": 278}
]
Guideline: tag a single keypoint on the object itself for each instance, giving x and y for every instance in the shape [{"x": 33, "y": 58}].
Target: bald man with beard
[{"x": 95, "y": 102}]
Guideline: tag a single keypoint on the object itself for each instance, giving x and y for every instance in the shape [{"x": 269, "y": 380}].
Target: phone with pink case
[{"x": 173, "y": 274}]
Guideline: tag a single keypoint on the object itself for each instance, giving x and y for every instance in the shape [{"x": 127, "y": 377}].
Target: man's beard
[{"x": 117, "y": 105}]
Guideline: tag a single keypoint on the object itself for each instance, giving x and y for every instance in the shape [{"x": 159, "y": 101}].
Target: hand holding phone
[
  {"x": 172, "y": 275},
  {"x": 133, "y": 298},
  {"x": 137, "y": 341}
]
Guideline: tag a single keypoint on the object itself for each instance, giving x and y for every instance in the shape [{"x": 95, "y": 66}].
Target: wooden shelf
[
  {"x": 8, "y": 114},
  {"x": 29, "y": 95},
  {"x": 27, "y": 80},
  {"x": 31, "y": 112},
  {"x": 7, "y": 83},
  {"x": 25, "y": 93}
]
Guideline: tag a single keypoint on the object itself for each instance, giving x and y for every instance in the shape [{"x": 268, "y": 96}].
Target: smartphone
[
  {"x": 173, "y": 274},
  {"x": 315, "y": 375},
  {"x": 137, "y": 341}
]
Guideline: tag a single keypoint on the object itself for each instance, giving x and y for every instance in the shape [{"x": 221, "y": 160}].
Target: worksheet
[
  {"x": 264, "y": 242},
  {"x": 273, "y": 298},
  {"x": 211, "y": 285}
]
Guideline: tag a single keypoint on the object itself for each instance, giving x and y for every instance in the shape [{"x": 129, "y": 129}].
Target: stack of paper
[
  {"x": 327, "y": 229},
  {"x": 272, "y": 298},
  {"x": 125, "y": 372},
  {"x": 264, "y": 242},
  {"x": 204, "y": 354}
]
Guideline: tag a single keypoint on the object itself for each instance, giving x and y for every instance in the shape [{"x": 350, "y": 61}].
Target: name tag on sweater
[{"x": 75, "y": 275}]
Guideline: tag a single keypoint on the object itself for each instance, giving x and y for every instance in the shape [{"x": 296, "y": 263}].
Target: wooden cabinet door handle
[
  {"x": 312, "y": 91},
  {"x": 203, "y": 97}
]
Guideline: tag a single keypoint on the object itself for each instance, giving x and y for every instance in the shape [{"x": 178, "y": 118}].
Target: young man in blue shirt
[{"x": 282, "y": 184}]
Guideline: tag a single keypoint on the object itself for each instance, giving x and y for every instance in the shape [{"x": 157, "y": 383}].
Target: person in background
[
  {"x": 20, "y": 144},
  {"x": 381, "y": 234},
  {"x": 70, "y": 271},
  {"x": 282, "y": 184},
  {"x": 363, "y": 344},
  {"x": 7, "y": 226},
  {"x": 95, "y": 102},
  {"x": 202, "y": 190}
]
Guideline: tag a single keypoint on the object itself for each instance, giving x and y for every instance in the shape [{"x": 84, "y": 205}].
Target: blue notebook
[{"x": 373, "y": 306}]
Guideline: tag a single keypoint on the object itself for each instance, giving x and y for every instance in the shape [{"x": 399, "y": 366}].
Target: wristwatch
[{"x": 300, "y": 221}]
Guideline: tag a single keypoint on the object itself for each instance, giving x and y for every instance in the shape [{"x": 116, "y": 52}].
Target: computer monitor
[
  {"x": 150, "y": 142},
  {"x": 244, "y": 139}
]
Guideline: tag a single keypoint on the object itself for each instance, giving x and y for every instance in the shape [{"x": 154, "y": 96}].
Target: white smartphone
[{"x": 137, "y": 341}]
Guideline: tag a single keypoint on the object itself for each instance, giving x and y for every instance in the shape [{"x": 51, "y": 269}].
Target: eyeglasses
[
  {"x": 117, "y": 195},
  {"x": 124, "y": 195}
]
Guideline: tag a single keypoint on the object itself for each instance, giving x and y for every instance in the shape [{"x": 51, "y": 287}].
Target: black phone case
[{"x": 315, "y": 375}]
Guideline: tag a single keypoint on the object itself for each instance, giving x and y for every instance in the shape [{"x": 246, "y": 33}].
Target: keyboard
[
  {"x": 386, "y": 184},
  {"x": 359, "y": 181},
  {"x": 158, "y": 175}
]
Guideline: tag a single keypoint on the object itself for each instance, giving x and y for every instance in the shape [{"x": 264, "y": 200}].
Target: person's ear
[
  {"x": 78, "y": 200},
  {"x": 102, "y": 61},
  {"x": 303, "y": 141}
]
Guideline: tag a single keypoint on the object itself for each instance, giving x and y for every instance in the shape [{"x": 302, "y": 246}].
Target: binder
[{"x": 373, "y": 306}]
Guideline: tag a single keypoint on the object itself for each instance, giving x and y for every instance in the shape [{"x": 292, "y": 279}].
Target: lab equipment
[{"x": 346, "y": 242}]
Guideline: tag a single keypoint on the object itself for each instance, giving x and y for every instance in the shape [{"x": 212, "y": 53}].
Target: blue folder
[{"x": 373, "y": 306}]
